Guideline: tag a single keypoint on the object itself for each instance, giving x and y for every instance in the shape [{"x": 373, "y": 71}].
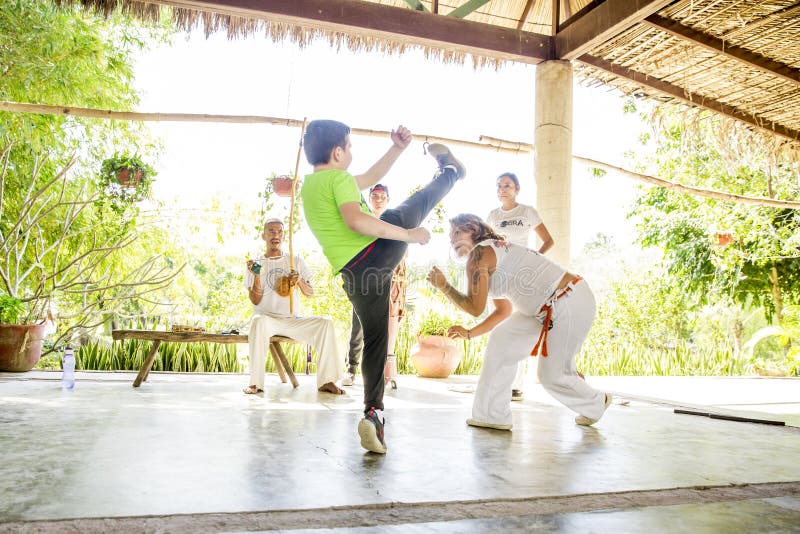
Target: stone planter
[
  {"x": 20, "y": 346},
  {"x": 436, "y": 356}
]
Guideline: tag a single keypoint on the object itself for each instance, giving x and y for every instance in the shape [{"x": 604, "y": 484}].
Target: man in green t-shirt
[{"x": 366, "y": 249}]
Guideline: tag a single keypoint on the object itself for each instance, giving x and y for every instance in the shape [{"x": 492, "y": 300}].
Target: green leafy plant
[
  {"x": 787, "y": 332},
  {"x": 11, "y": 309},
  {"x": 127, "y": 177},
  {"x": 269, "y": 209},
  {"x": 433, "y": 324}
]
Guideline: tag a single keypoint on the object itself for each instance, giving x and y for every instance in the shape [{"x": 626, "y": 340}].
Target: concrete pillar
[{"x": 553, "y": 152}]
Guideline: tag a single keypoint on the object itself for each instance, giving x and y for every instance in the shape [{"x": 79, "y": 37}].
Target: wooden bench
[{"x": 281, "y": 362}]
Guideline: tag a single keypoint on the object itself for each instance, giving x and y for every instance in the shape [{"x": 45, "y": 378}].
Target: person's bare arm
[
  {"x": 545, "y": 237},
  {"x": 502, "y": 309},
  {"x": 256, "y": 292},
  {"x": 401, "y": 138},
  {"x": 481, "y": 261},
  {"x": 305, "y": 287},
  {"x": 365, "y": 224}
]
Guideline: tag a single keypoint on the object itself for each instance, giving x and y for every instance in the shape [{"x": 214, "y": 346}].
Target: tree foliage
[
  {"x": 761, "y": 265},
  {"x": 61, "y": 240}
]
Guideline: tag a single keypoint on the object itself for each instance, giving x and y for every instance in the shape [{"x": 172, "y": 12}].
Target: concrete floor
[{"x": 192, "y": 453}]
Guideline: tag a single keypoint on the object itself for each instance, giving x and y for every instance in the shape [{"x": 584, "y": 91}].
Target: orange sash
[{"x": 547, "y": 324}]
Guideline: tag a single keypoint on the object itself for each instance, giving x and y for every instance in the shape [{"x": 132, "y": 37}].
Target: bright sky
[{"x": 374, "y": 91}]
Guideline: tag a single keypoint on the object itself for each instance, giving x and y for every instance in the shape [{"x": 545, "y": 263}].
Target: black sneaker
[
  {"x": 446, "y": 159},
  {"x": 370, "y": 429},
  {"x": 517, "y": 395}
]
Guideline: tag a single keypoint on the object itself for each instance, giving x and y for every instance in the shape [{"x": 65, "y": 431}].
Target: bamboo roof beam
[
  {"x": 688, "y": 97},
  {"x": 498, "y": 145},
  {"x": 694, "y": 191},
  {"x": 709, "y": 42}
]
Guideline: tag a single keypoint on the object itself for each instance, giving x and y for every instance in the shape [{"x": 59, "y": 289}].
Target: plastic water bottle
[{"x": 68, "y": 378}]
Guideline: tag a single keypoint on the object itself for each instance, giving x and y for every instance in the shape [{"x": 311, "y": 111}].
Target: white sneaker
[
  {"x": 484, "y": 424},
  {"x": 585, "y": 421},
  {"x": 370, "y": 430},
  {"x": 348, "y": 379}
]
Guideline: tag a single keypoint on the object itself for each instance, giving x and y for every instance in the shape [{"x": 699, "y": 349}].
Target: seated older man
[{"x": 268, "y": 279}]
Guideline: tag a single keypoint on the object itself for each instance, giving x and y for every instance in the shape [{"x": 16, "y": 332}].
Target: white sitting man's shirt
[{"x": 272, "y": 269}]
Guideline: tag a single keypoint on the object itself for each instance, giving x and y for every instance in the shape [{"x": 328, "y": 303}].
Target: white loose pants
[
  {"x": 315, "y": 331},
  {"x": 513, "y": 339}
]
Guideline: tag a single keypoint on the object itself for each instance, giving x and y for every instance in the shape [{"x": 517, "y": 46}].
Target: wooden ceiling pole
[
  {"x": 525, "y": 13},
  {"x": 685, "y": 96},
  {"x": 554, "y": 24},
  {"x": 743, "y": 55},
  {"x": 386, "y": 22},
  {"x": 602, "y": 23}
]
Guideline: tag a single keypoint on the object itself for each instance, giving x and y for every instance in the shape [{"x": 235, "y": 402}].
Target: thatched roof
[{"x": 738, "y": 58}]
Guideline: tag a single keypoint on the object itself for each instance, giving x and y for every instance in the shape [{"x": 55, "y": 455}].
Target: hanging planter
[
  {"x": 723, "y": 239},
  {"x": 129, "y": 177},
  {"x": 282, "y": 185},
  {"x": 126, "y": 177}
]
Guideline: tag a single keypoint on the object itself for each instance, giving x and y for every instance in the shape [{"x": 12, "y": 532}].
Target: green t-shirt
[{"x": 322, "y": 193}]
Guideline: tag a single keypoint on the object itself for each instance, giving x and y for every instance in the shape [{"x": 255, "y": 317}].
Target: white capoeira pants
[
  {"x": 315, "y": 331},
  {"x": 513, "y": 339}
]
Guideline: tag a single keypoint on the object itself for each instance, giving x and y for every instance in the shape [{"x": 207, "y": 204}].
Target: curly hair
[{"x": 473, "y": 224}]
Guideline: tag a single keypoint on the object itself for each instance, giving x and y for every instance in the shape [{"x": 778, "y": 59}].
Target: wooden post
[
  {"x": 291, "y": 214},
  {"x": 148, "y": 363},
  {"x": 286, "y": 366},
  {"x": 277, "y": 360}
]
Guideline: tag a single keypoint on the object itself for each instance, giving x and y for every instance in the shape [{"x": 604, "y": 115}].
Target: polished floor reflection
[{"x": 185, "y": 444}]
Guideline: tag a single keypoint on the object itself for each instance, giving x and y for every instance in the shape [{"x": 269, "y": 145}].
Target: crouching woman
[{"x": 553, "y": 312}]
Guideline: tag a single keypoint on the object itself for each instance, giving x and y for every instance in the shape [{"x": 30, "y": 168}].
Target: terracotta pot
[
  {"x": 20, "y": 346},
  {"x": 436, "y": 356},
  {"x": 128, "y": 178},
  {"x": 282, "y": 185},
  {"x": 723, "y": 239}
]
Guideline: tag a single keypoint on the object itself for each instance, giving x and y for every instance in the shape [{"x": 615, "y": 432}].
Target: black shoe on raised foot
[{"x": 446, "y": 159}]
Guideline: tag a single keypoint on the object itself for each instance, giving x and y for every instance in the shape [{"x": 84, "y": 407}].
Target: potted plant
[
  {"x": 282, "y": 185},
  {"x": 435, "y": 355},
  {"x": 20, "y": 344},
  {"x": 127, "y": 176}
]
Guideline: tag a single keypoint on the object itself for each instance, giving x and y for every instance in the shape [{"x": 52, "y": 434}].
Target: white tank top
[{"x": 523, "y": 276}]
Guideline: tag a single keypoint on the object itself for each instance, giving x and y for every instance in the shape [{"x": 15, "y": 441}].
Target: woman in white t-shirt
[
  {"x": 553, "y": 312},
  {"x": 515, "y": 221}
]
